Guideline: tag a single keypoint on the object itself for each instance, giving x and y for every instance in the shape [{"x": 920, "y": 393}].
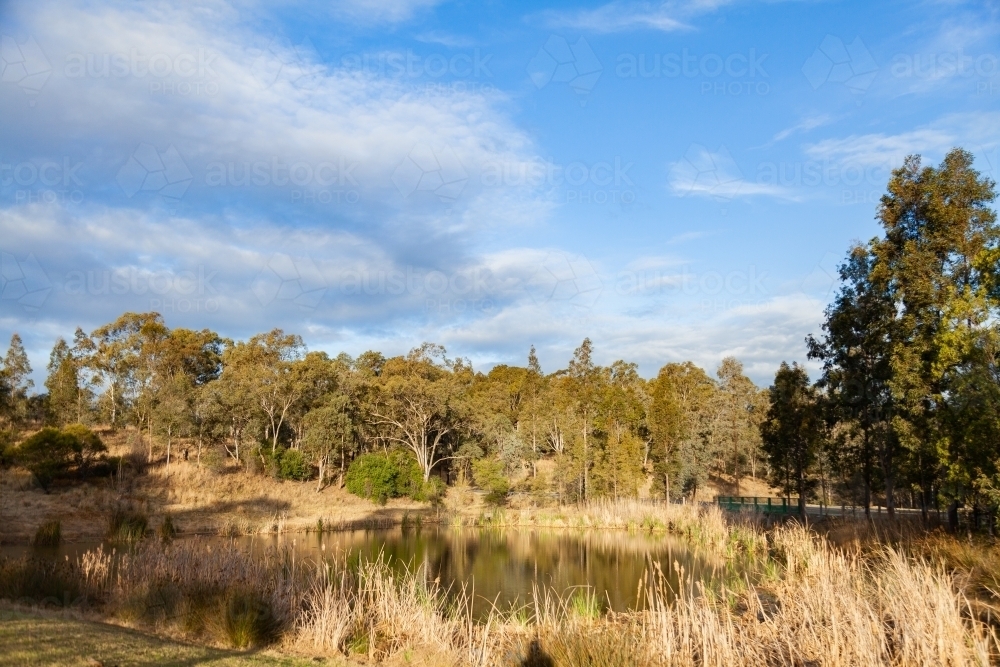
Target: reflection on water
[{"x": 501, "y": 567}]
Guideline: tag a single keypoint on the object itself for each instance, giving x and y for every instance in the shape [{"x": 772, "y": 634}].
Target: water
[{"x": 496, "y": 567}]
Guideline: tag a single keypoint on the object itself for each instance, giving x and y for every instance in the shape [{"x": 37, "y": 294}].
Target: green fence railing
[{"x": 759, "y": 504}]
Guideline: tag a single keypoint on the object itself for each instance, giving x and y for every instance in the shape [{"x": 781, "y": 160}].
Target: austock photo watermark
[
  {"x": 320, "y": 182},
  {"x": 46, "y": 182},
  {"x": 582, "y": 182},
  {"x": 440, "y": 173},
  {"x": 165, "y": 173},
  {"x": 465, "y": 71},
  {"x": 185, "y": 74},
  {"x": 165, "y": 291},
  {"x": 982, "y": 70},
  {"x": 709, "y": 290},
  {"x": 24, "y": 64},
  {"x": 440, "y": 292},
  {"x": 737, "y": 74}
]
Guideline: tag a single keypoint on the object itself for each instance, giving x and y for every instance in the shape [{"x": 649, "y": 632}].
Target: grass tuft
[
  {"x": 127, "y": 526},
  {"x": 49, "y": 534},
  {"x": 247, "y": 619}
]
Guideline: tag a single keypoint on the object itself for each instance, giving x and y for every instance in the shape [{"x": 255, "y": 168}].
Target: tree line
[
  {"x": 604, "y": 430},
  {"x": 906, "y": 408},
  {"x": 908, "y": 400}
]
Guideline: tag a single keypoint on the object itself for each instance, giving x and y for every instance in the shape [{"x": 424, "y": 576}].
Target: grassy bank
[
  {"x": 31, "y": 638},
  {"x": 793, "y": 597}
]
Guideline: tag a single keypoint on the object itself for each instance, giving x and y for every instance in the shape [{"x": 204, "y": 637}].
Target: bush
[
  {"x": 373, "y": 476},
  {"x": 88, "y": 446},
  {"x": 49, "y": 534},
  {"x": 292, "y": 465},
  {"x": 47, "y": 454},
  {"x": 379, "y": 477},
  {"x": 488, "y": 476},
  {"x": 50, "y": 453}
]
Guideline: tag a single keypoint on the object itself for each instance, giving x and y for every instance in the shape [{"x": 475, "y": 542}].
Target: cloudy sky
[{"x": 677, "y": 181}]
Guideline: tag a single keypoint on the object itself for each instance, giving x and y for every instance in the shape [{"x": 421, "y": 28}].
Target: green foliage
[
  {"x": 284, "y": 463},
  {"x": 489, "y": 476},
  {"x": 47, "y": 454},
  {"x": 373, "y": 476},
  {"x": 49, "y": 534},
  {"x": 792, "y": 432},
  {"x": 379, "y": 477},
  {"x": 292, "y": 465},
  {"x": 51, "y": 453}
]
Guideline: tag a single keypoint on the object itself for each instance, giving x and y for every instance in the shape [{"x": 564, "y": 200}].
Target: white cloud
[
  {"x": 968, "y": 130},
  {"x": 276, "y": 102}
]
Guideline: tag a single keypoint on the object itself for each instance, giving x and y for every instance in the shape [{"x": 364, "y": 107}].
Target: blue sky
[{"x": 677, "y": 181}]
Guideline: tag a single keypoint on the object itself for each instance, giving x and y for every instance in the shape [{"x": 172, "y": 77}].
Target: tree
[
  {"x": 620, "y": 427},
  {"x": 856, "y": 352},
  {"x": 585, "y": 380},
  {"x": 679, "y": 424},
  {"x": 273, "y": 366},
  {"x": 939, "y": 259},
  {"x": 174, "y": 411},
  {"x": 419, "y": 403},
  {"x": 123, "y": 356},
  {"x": 737, "y": 411},
  {"x": 47, "y": 454},
  {"x": 792, "y": 432},
  {"x": 63, "y": 385},
  {"x": 16, "y": 381},
  {"x": 329, "y": 430}
]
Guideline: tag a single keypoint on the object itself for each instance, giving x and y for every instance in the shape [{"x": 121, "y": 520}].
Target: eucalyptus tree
[
  {"x": 792, "y": 432},
  {"x": 15, "y": 381},
  {"x": 419, "y": 403},
  {"x": 679, "y": 423},
  {"x": 63, "y": 386},
  {"x": 857, "y": 354},
  {"x": 737, "y": 410},
  {"x": 122, "y": 355},
  {"x": 622, "y": 430},
  {"x": 939, "y": 258}
]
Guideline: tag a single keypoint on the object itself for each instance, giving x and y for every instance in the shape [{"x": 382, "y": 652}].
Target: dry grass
[
  {"x": 213, "y": 499},
  {"x": 799, "y": 601}
]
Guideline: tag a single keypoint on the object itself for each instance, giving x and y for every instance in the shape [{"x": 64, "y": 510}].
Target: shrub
[
  {"x": 373, "y": 476},
  {"x": 47, "y": 454},
  {"x": 127, "y": 526},
  {"x": 379, "y": 477},
  {"x": 488, "y": 476},
  {"x": 292, "y": 465},
  {"x": 88, "y": 446},
  {"x": 49, "y": 534},
  {"x": 247, "y": 619}
]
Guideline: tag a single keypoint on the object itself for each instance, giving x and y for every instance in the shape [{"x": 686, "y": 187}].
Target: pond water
[{"x": 496, "y": 567}]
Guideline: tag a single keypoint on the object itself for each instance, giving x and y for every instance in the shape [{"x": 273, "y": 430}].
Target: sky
[{"x": 676, "y": 181}]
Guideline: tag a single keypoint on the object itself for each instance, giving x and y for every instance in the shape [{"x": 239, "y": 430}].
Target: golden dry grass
[{"x": 799, "y": 601}]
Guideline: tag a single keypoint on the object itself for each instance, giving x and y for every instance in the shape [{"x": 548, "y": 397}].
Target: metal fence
[{"x": 759, "y": 504}]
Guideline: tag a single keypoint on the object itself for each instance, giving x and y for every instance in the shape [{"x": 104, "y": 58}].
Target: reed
[{"x": 797, "y": 598}]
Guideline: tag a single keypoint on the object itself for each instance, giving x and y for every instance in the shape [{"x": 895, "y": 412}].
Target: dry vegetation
[
  {"x": 797, "y": 598},
  {"x": 219, "y": 497}
]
